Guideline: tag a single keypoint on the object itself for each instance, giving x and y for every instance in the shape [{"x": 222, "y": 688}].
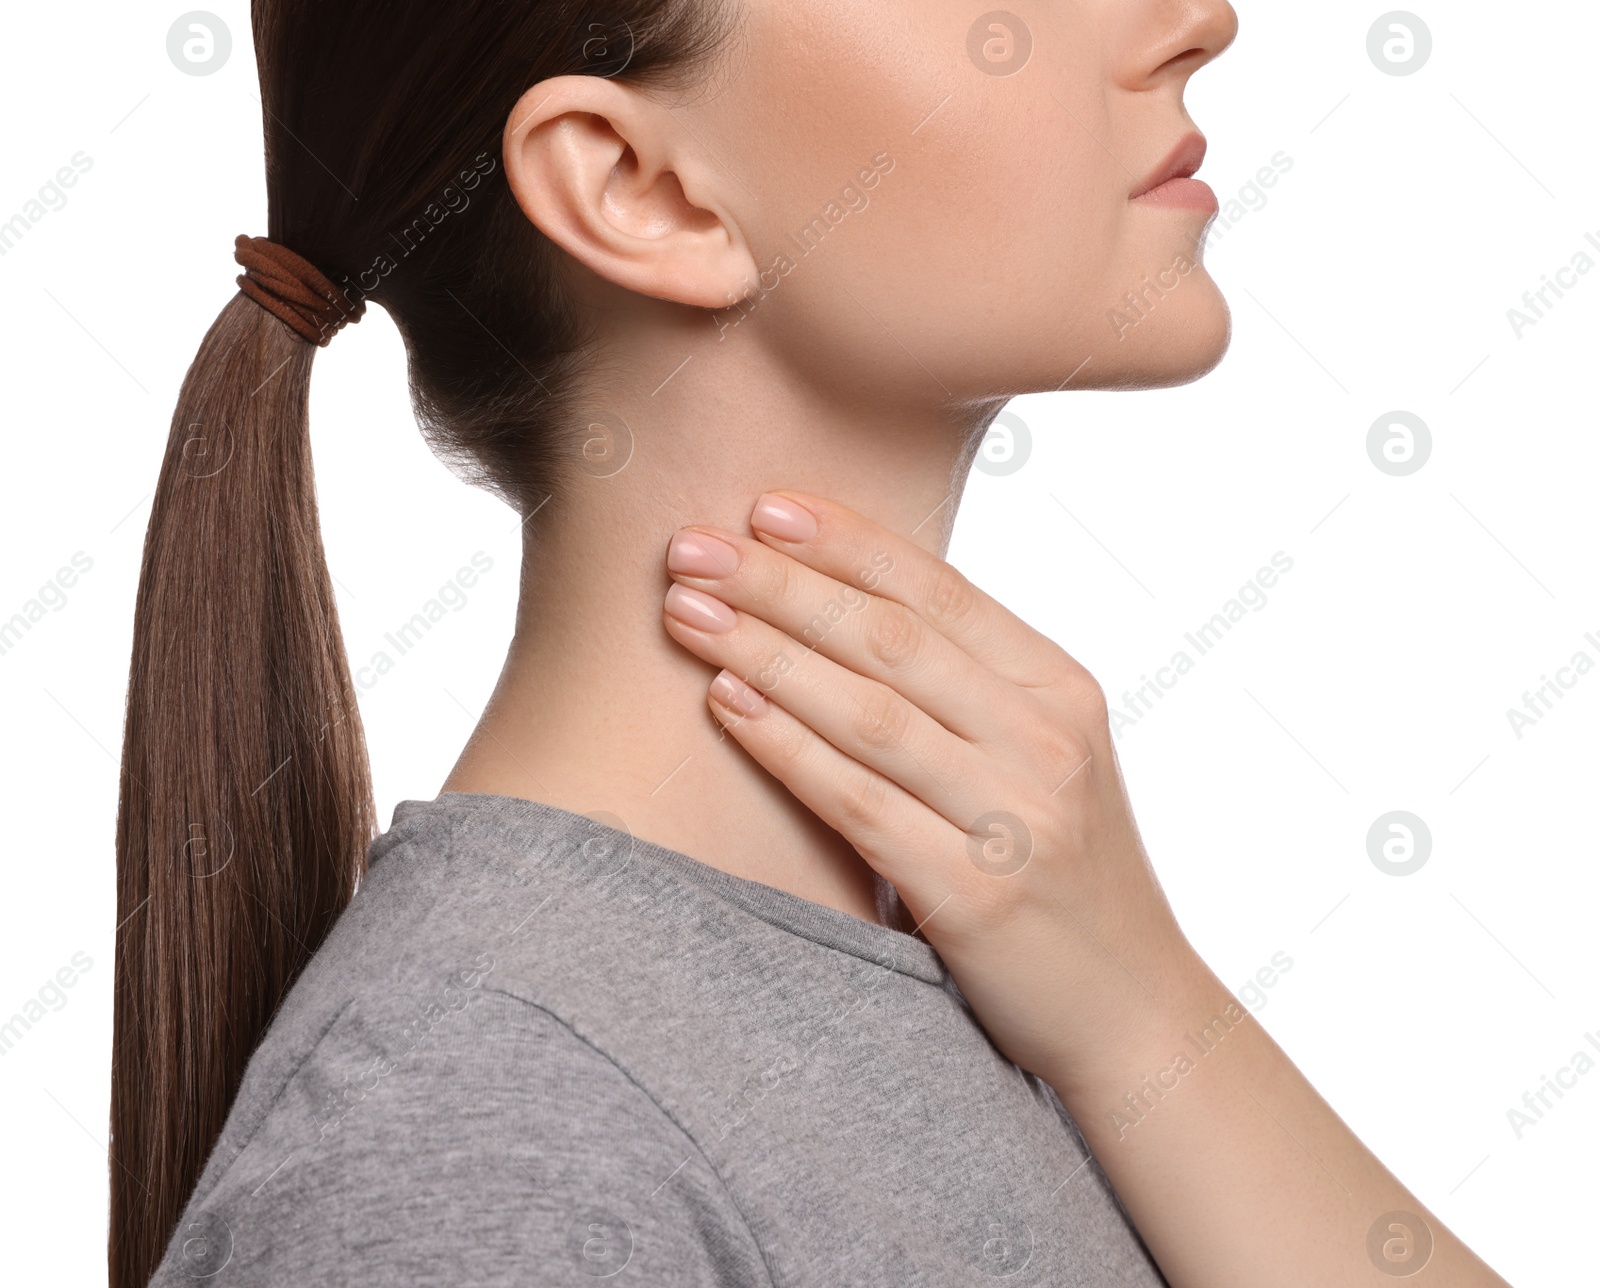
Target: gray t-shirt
[{"x": 535, "y": 1050}]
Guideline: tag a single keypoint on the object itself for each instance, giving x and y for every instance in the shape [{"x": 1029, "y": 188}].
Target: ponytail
[{"x": 246, "y": 803}]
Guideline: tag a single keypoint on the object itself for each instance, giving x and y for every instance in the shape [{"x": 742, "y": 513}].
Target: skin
[
  {"x": 857, "y": 388},
  {"x": 883, "y": 355}
]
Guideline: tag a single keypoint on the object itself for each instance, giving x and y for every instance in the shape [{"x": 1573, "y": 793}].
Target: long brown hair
[{"x": 246, "y": 804}]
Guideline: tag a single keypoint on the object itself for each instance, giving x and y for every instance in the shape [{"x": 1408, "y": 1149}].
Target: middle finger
[
  {"x": 866, "y": 720},
  {"x": 870, "y": 635}
]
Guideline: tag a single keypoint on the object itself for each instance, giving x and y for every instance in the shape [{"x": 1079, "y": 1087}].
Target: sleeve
[{"x": 485, "y": 1145}]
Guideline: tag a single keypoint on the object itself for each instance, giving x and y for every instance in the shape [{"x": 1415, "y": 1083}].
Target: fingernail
[
  {"x": 782, "y": 518},
  {"x": 696, "y": 608},
  {"x": 697, "y": 555},
  {"x": 735, "y": 694}
]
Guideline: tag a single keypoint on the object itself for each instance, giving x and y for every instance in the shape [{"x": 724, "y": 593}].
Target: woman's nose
[{"x": 1176, "y": 36}]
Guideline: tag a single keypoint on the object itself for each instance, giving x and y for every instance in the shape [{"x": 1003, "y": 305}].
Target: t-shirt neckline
[{"x": 883, "y": 945}]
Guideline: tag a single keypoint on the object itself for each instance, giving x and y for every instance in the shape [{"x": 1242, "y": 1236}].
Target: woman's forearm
[{"x": 1236, "y": 1171}]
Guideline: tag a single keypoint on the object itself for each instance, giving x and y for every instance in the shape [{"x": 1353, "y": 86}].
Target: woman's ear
[{"x": 602, "y": 171}]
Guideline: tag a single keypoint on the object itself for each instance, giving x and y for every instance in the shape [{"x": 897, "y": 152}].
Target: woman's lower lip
[{"x": 1185, "y": 194}]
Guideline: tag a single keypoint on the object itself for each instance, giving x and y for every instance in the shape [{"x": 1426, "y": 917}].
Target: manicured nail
[
  {"x": 698, "y": 609},
  {"x": 782, "y": 518},
  {"x": 696, "y": 554},
  {"x": 734, "y": 693}
]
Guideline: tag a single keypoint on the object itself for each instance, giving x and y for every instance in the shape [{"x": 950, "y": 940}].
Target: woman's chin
[{"x": 1164, "y": 351}]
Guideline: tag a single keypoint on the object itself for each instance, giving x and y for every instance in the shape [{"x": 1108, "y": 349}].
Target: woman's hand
[
  {"x": 969, "y": 760},
  {"x": 965, "y": 756}
]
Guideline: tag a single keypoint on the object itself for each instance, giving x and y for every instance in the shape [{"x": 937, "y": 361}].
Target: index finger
[{"x": 851, "y": 548}]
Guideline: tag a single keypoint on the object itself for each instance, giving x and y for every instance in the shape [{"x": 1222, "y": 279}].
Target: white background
[{"x": 1377, "y": 677}]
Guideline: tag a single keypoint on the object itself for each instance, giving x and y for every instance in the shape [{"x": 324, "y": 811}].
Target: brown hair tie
[{"x": 293, "y": 290}]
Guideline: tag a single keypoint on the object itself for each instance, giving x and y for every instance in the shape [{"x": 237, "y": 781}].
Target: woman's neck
[{"x": 597, "y": 708}]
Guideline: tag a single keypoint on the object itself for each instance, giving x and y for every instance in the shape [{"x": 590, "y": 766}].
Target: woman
[{"x": 714, "y": 295}]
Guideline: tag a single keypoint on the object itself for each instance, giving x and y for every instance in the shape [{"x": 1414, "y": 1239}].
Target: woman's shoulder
[
  {"x": 470, "y": 1138},
  {"x": 422, "y": 1110},
  {"x": 477, "y": 1144}
]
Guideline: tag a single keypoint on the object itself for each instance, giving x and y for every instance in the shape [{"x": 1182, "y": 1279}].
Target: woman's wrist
[{"x": 1177, "y": 1014}]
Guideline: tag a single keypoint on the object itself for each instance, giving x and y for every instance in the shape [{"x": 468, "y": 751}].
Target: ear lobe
[{"x": 602, "y": 171}]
